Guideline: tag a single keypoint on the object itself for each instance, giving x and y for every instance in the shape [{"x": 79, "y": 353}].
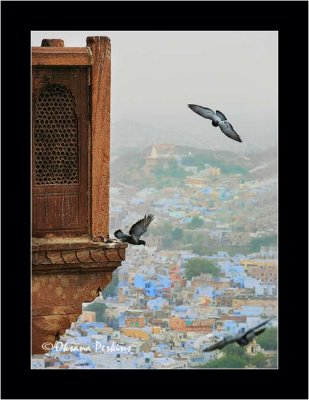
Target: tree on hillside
[
  {"x": 99, "y": 309},
  {"x": 234, "y": 350},
  {"x": 177, "y": 234},
  {"x": 167, "y": 242},
  {"x": 172, "y": 170},
  {"x": 112, "y": 288},
  {"x": 268, "y": 339},
  {"x": 163, "y": 228},
  {"x": 235, "y": 357},
  {"x": 199, "y": 160},
  {"x": 197, "y": 266},
  {"x": 199, "y": 246},
  {"x": 196, "y": 222},
  {"x": 256, "y": 243},
  {"x": 259, "y": 360},
  {"x": 233, "y": 361}
]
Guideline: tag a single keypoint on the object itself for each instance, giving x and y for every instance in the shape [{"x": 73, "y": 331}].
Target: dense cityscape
[{"x": 209, "y": 267}]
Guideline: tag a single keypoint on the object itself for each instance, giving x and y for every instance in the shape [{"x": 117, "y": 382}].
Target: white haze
[{"x": 156, "y": 74}]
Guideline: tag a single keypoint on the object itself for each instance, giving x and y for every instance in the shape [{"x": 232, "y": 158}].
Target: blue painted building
[
  {"x": 156, "y": 304},
  {"x": 139, "y": 281},
  {"x": 150, "y": 288}
]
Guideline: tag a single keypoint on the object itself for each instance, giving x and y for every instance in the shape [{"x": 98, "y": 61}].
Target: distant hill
[{"x": 259, "y": 165}]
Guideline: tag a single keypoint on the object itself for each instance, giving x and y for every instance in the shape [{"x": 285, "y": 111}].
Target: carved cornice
[{"x": 53, "y": 255}]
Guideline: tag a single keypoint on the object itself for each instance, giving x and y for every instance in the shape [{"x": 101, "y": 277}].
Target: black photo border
[{"x": 290, "y": 19}]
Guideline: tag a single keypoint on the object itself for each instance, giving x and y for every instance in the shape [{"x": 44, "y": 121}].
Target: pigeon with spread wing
[
  {"x": 241, "y": 338},
  {"x": 136, "y": 231},
  {"x": 218, "y": 119}
]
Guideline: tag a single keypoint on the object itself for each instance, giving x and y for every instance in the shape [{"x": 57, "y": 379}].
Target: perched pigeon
[
  {"x": 136, "y": 231},
  {"x": 241, "y": 338},
  {"x": 218, "y": 119}
]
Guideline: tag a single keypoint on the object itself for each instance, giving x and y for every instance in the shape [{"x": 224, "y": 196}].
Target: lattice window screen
[{"x": 55, "y": 137}]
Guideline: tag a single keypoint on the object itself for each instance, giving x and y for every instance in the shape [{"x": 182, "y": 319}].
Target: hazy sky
[{"x": 156, "y": 74}]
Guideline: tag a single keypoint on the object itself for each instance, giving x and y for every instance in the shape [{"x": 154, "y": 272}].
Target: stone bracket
[{"x": 67, "y": 272}]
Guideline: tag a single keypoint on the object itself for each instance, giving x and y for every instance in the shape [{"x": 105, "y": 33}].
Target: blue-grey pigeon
[
  {"x": 218, "y": 119},
  {"x": 136, "y": 231}
]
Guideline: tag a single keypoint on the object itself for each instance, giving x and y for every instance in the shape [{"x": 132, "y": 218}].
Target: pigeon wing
[
  {"x": 251, "y": 333},
  {"x": 256, "y": 328},
  {"x": 221, "y": 115},
  {"x": 204, "y": 112},
  {"x": 140, "y": 227},
  {"x": 257, "y": 332},
  {"x": 228, "y": 130},
  {"x": 222, "y": 343},
  {"x": 120, "y": 235}
]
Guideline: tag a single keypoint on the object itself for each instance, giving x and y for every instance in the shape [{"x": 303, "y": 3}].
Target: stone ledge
[
  {"x": 76, "y": 243},
  {"x": 64, "y": 254}
]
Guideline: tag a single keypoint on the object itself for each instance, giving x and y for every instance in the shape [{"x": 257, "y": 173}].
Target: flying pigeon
[
  {"x": 241, "y": 338},
  {"x": 218, "y": 119},
  {"x": 136, "y": 231}
]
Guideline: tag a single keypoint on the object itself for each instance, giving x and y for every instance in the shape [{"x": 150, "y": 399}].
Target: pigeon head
[
  {"x": 142, "y": 242},
  {"x": 214, "y": 123}
]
